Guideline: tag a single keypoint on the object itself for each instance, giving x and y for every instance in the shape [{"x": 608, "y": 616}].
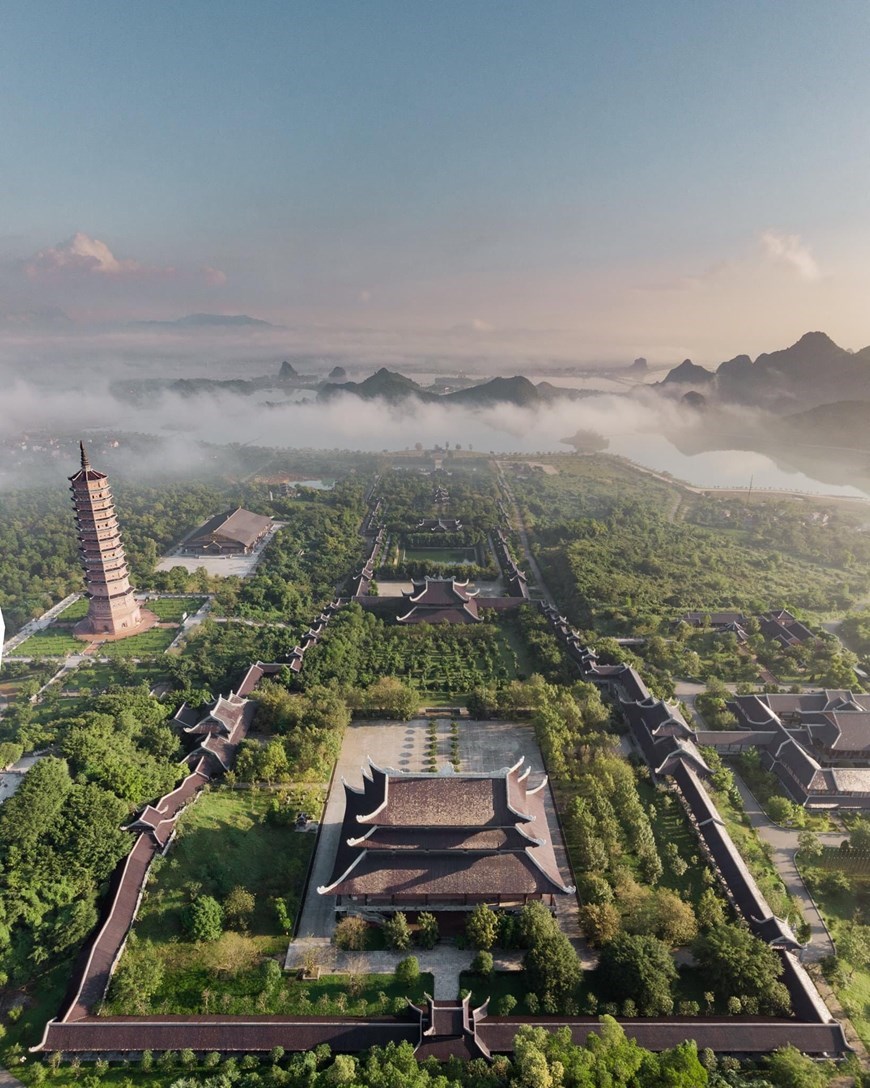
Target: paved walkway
[
  {"x": 445, "y": 961},
  {"x": 39, "y": 624},
  {"x": 524, "y": 538},
  {"x": 8, "y": 1081},
  {"x": 784, "y": 843}
]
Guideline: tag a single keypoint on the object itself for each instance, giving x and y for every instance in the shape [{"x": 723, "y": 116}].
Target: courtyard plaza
[{"x": 483, "y": 746}]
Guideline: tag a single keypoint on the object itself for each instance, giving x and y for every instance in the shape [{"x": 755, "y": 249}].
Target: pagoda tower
[{"x": 113, "y": 610}]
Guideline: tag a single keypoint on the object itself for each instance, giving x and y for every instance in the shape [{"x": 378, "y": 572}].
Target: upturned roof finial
[{"x": 86, "y": 464}]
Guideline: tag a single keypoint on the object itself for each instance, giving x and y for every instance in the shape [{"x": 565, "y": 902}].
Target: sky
[{"x": 599, "y": 180}]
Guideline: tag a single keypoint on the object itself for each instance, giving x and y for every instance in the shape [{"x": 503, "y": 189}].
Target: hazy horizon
[{"x": 573, "y": 180}]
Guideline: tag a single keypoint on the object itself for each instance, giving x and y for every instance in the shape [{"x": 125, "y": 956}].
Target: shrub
[
  {"x": 506, "y": 1005},
  {"x": 407, "y": 971},
  {"x": 398, "y": 932},
  {"x": 238, "y": 907},
  {"x": 427, "y": 930},
  {"x": 481, "y": 928},
  {"x": 482, "y": 964},
  {"x": 351, "y": 933},
  {"x": 203, "y": 919}
]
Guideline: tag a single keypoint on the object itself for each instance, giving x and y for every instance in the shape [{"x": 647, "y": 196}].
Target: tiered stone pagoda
[{"x": 112, "y": 608}]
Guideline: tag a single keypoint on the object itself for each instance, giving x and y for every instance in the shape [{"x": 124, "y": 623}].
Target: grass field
[
  {"x": 147, "y": 644},
  {"x": 75, "y": 612},
  {"x": 50, "y": 643},
  {"x": 173, "y": 609},
  {"x": 224, "y": 841},
  {"x": 838, "y": 909}
]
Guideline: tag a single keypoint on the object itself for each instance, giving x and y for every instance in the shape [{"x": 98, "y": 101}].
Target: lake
[{"x": 723, "y": 468}]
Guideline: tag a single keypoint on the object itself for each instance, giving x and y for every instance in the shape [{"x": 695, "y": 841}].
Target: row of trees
[{"x": 541, "y": 1059}]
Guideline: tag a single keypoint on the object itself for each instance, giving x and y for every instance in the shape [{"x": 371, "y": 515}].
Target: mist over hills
[
  {"x": 812, "y": 371},
  {"x": 391, "y": 386}
]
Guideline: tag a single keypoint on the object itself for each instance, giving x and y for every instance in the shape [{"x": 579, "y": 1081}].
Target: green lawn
[
  {"x": 838, "y": 909},
  {"x": 440, "y": 556},
  {"x": 147, "y": 644},
  {"x": 75, "y": 612},
  {"x": 223, "y": 841},
  {"x": 172, "y": 609},
  {"x": 50, "y": 643}
]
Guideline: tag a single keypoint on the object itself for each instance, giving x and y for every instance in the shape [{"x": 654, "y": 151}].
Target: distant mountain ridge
[
  {"x": 392, "y": 386},
  {"x": 812, "y": 371},
  {"x": 209, "y": 321}
]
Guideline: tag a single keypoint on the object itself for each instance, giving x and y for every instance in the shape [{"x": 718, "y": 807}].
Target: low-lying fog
[{"x": 49, "y": 392}]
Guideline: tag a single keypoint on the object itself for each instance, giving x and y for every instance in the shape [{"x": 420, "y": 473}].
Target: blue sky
[{"x": 612, "y": 176}]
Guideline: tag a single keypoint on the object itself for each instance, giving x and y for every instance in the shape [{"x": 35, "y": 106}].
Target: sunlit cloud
[
  {"x": 84, "y": 257},
  {"x": 79, "y": 254},
  {"x": 790, "y": 250}
]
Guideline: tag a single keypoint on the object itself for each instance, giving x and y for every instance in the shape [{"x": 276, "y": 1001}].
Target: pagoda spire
[{"x": 112, "y": 607}]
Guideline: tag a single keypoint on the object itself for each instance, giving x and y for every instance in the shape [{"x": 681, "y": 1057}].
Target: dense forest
[{"x": 60, "y": 834}]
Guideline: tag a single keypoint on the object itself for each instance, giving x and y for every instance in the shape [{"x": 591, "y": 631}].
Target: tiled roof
[
  {"x": 239, "y": 525},
  {"x": 444, "y": 801},
  {"x": 437, "y": 592},
  {"x": 444, "y": 834},
  {"x": 232, "y": 1034},
  {"x": 447, "y": 873}
]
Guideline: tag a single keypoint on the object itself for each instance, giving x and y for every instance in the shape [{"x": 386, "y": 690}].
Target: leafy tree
[
  {"x": 853, "y": 946},
  {"x": 238, "y": 907},
  {"x": 397, "y": 931},
  {"x": 710, "y": 911},
  {"x": 407, "y": 971},
  {"x": 638, "y": 967},
  {"x": 600, "y": 922},
  {"x": 535, "y": 923},
  {"x": 859, "y": 837},
  {"x": 203, "y": 919},
  {"x": 351, "y": 933},
  {"x": 737, "y": 963},
  {"x": 677, "y": 1068},
  {"x": 788, "y": 1068},
  {"x": 810, "y": 846},
  {"x": 481, "y": 927},
  {"x": 661, "y": 913},
  {"x": 138, "y": 978},
  {"x": 482, "y": 964},
  {"x": 427, "y": 930},
  {"x": 551, "y": 969}
]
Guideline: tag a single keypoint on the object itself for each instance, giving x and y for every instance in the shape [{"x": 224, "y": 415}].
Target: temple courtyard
[{"x": 483, "y": 746}]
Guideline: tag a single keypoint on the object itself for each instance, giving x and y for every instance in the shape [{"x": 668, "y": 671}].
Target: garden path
[
  {"x": 784, "y": 843},
  {"x": 445, "y": 961}
]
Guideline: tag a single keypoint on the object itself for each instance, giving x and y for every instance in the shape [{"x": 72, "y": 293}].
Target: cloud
[
  {"x": 788, "y": 249},
  {"x": 90, "y": 258},
  {"x": 79, "y": 254},
  {"x": 214, "y": 277}
]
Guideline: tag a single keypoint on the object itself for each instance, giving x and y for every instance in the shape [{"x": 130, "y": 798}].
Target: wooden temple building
[
  {"x": 112, "y": 608},
  {"x": 235, "y": 532},
  {"x": 440, "y": 600},
  {"x": 444, "y": 842}
]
